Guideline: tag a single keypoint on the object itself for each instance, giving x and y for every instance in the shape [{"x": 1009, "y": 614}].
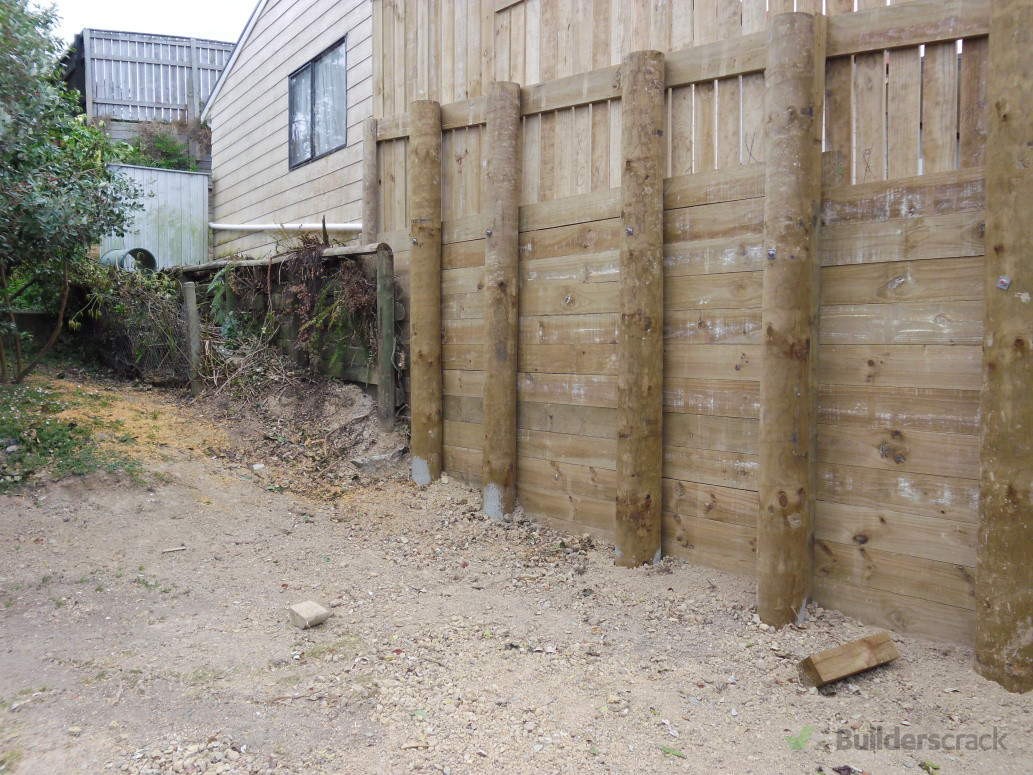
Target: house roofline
[{"x": 233, "y": 57}]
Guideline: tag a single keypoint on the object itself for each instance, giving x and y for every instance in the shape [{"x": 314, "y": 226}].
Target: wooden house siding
[{"x": 252, "y": 181}]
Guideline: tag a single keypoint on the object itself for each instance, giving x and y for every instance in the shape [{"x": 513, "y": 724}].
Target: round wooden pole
[
  {"x": 501, "y": 288},
  {"x": 795, "y": 79},
  {"x": 424, "y": 206},
  {"x": 370, "y": 182},
  {"x": 386, "y": 402},
  {"x": 1004, "y": 578},
  {"x": 640, "y": 349},
  {"x": 193, "y": 335}
]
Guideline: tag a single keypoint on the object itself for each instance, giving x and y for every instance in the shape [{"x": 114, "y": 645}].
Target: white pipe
[{"x": 351, "y": 228}]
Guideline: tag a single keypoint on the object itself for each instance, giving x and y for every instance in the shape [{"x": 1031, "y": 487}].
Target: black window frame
[{"x": 309, "y": 65}]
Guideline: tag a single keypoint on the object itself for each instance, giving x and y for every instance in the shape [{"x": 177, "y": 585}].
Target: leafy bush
[{"x": 57, "y": 194}]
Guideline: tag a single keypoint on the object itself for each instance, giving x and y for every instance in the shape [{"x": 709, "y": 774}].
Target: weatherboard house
[{"x": 589, "y": 206}]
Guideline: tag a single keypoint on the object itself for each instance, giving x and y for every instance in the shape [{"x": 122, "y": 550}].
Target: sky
[{"x": 212, "y": 19}]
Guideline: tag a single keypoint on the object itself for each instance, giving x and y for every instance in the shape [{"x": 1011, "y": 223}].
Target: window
[{"x": 319, "y": 106}]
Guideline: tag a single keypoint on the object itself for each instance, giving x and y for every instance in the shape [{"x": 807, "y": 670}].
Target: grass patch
[{"x": 40, "y": 442}]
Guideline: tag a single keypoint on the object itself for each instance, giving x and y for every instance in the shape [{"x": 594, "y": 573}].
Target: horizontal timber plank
[
  {"x": 728, "y": 398},
  {"x": 900, "y": 323},
  {"x": 903, "y": 239},
  {"x": 938, "y": 454},
  {"x": 714, "y": 186},
  {"x": 570, "y": 240},
  {"x": 703, "y": 431},
  {"x": 943, "y": 280},
  {"x": 745, "y": 54},
  {"x": 708, "y": 466},
  {"x": 708, "y": 501},
  {"x": 466, "y": 409},
  {"x": 902, "y": 365},
  {"x": 569, "y": 329},
  {"x": 936, "y": 193},
  {"x": 915, "y": 535},
  {"x": 712, "y": 326},
  {"x": 459, "y": 460},
  {"x": 942, "y": 410},
  {"x": 947, "y": 497},
  {"x": 736, "y": 542},
  {"x": 602, "y": 533},
  {"x": 908, "y": 24},
  {"x": 594, "y": 421},
  {"x": 731, "y": 290},
  {"x": 544, "y": 358},
  {"x": 703, "y": 558},
  {"x": 739, "y": 253},
  {"x": 577, "y": 389},
  {"x": 597, "y": 205},
  {"x": 712, "y": 361},
  {"x": 710, "y": 221},
  {"x": 580, "y": 510},
  {"x": 897, "y": 611},
  {"x": 568, "y": 478}
]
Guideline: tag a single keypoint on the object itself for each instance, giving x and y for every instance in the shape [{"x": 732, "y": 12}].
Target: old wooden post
[
  {"x": 795, "y": 79},
  {"x": 370, "y": 183},
  {"x": 1004, "y": 579},
  {"x": 193, "y": 335},
  {"x": 640, "y": 351},
  {"x": 501, "y": 288},
  {"x": 424, "y": 205},
  {"x": 386, "y": 399}
]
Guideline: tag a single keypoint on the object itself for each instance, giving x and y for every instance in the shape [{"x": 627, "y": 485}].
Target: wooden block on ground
[{"x": 846, "y": 660}]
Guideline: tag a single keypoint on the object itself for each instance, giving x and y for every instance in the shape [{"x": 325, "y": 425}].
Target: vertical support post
[
  {"x": 370, "y": 182},
  {"x": 193, "y": 335},
  {"x": 385, "y": 336},
  {"x": 1004, "y": 578},
  {"x": 424, "y": 206},
  {"x": 640, "y": 352},
  {"x": 501, "y": 289},
  {"x": 88, "y": 65},
  {"x": 795, "y": 79}
]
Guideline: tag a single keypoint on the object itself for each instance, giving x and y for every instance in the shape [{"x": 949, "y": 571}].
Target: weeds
[{"x": 34, "y": 440}]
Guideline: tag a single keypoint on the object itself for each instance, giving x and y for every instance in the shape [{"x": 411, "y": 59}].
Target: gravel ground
[{"x": 456, "y": 644}]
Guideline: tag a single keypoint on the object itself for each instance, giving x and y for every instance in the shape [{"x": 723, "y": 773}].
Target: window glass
[
  {"x": 331, "y": 94},
  {"x": 301, "y": 116},
  {"x": 319, "y": 106}
]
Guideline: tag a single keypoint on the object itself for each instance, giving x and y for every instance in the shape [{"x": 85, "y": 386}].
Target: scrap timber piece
[{"x": 849, "y": 659}]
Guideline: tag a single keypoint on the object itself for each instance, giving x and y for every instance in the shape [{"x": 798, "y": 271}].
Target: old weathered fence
[{"x": 823, "y": 287}]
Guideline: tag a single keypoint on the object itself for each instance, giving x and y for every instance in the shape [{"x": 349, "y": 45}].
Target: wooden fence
[{"x": 898, "y": 363}]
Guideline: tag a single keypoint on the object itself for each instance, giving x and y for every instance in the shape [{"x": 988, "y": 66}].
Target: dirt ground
[{"x": 455, "y": 645}]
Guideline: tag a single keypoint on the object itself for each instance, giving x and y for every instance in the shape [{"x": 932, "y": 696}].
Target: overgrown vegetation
[
  {"x": 275, "y": 322},
  {"x": 166, "y": 144},
  {"x": 131, "y": 322},
  {"x": 57, "y": 195},
  {"x": 35, "y": 440}
]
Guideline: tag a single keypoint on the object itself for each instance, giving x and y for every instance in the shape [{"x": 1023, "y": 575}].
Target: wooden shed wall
[
  {"x": 252, "y": 182},
  {"x": 899, "y": 364}
]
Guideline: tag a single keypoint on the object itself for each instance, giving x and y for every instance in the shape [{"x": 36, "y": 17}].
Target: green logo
[{"x": 799, "y": 742}]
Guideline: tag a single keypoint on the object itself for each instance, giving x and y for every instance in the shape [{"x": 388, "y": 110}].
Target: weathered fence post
[
  {"x": 501, "y": 289},
  {"x": 193, "y": 335},
  {"x": 1004, "y": 579},
  {"x": 795, "y": 79},
  {"x": 424, "y": 205},
  {"x": 640, "y": 353},
  {"x": 386, "y": 400},
  {"x": 369, "y": 182}
]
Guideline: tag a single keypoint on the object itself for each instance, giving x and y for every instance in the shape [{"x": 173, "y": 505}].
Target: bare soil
[{"x": 456, "y": 644}]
